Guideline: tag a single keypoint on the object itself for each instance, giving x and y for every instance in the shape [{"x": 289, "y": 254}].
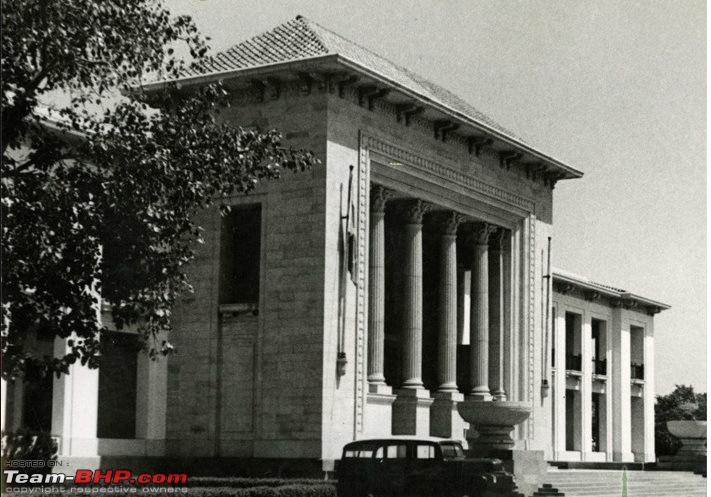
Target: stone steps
[{"x": 608, "y": 483}]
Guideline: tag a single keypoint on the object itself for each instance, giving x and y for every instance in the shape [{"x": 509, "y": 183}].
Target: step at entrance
[{"x": 610, "y": 483}]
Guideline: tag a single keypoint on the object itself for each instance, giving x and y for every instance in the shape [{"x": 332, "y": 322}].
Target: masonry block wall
[{"x": 241, "y": 378}]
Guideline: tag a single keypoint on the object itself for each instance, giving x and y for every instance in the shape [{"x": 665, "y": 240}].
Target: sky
[{"x": 614, "y": 88}]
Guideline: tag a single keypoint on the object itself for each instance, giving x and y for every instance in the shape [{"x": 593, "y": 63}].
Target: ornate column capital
[
  {"x": 414, "y": 210},
  {"x": 379, "y": 195},
  {"x": 450, "y": 221},
  {"x": 482, "y": 232},
  {"x": 496, "y": 240}
]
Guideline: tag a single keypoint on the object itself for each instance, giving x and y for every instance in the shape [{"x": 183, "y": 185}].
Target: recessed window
[
  {"x": 240, "y": 255},
  {"x": 118, "y": 374}
]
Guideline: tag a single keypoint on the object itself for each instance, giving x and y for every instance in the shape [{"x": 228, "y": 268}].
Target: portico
[{"x": 432, "y": 409}]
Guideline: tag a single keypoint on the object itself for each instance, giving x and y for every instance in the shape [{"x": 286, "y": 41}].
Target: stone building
[{"x": 404, "y": 278}]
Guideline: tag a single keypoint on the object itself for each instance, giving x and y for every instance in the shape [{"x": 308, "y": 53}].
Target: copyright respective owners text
[{"x": 34, "y": 478}]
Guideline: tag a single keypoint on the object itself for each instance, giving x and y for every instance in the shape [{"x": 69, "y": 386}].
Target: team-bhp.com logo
[{"x": 88, "y": 476}]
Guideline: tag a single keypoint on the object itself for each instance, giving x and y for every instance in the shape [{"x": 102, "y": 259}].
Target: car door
[
  {"x": 390, "y": 464},
  {"x": 424, "y": 470}
]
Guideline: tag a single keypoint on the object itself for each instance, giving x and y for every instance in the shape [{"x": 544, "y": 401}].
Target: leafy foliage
[
  {"x": 26, "y": 445},
  {"x": 682, "y": 404},
  {"x": 98, "y": 195}
]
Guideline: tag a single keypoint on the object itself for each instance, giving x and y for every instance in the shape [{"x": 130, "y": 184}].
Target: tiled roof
[
  {"x": 583, "y": 282},
  {"x": 302, "y": 38},
  {"x": 582, "y": 279}
]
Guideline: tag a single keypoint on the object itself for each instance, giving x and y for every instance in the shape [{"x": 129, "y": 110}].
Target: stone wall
[{"x": 213, "y": 408}]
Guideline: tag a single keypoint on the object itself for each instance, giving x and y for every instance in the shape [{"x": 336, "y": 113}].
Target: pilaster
[{"x": 621, "y": 405}]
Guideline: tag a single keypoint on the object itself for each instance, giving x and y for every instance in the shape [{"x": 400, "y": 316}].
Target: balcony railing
[
  {"x": 637, "y": 371},
  {"x": 599, "y": 366},
  {"x": 574, "y": 362}
]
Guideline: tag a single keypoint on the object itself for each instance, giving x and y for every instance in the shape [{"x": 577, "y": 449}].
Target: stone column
[
  {"x": 411, "y": 409},
  {"x": 496, "y": 316},
  {"x": 412, "y": 297},
  {"x": 508, "y": 359},
  {"x": 445, "y": 420},
  {"x": 479, "y": 320},
  {"x": 75, "y": 410},
  {"x": 152, "y": 400},
  {"x": 376, "y": 293},
  {"x": 447, "y": 337}
]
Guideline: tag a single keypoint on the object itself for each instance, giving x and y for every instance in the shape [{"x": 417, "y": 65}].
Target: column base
[
  {"x": 623, "y": 456},
  {"x": 480, "y": 396},
  {"x": 380, "y": 389},
  {"x": 411, "y": 412},
  {"x": 445, "y": 420},
  {"x": 378, "y": 416}
]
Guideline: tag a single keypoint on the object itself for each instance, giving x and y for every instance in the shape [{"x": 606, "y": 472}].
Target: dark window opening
[
  {"x": 38, "y": 386},
  {"x": 596, "y": 439},
  {"x": 573, "y": 356},
  {"x": 599, "y": 342},
  {"x": 37, "y": 404},
  {"x": 240, "y": 255},
  {"x": 553, "y": 335},
  {"x": 118, "y": 373}
]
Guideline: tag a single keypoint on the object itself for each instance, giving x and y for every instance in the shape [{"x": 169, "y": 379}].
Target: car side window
[
  {"x": 425, "y": 452},
  {"x": 391, "y": 452},
  {"x": 397, "y": 452}
]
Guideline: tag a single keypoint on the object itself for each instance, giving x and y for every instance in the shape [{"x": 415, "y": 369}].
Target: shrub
[
  {"x": 285, "y": 490},
  {"x": 26, "y": 444},
  {"x": 681, "y": 404},
  {"x": 241, "y": 482}
]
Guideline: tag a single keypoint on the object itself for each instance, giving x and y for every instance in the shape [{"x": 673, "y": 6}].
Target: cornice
[{"x": 423, "y": 164}]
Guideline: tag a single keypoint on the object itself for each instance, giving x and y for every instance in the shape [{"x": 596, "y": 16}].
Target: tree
[
  {"x": 98, "y": 196},
  {"x": 682, "y": 404}
]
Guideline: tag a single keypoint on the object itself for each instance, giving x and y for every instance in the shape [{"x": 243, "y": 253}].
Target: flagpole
[{"x": 341, "y": 359}]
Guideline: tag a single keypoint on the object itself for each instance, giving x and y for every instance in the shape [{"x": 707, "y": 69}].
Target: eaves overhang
[
  {"x": 329, "y": 65},
  {"x": 563, "y": 282}
]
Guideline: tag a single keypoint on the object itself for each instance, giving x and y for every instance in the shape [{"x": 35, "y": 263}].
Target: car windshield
[{"x": 452, "y": 451}]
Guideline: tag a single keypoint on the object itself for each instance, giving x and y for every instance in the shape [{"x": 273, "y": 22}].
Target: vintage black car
[{"x": 408, "y": 466}]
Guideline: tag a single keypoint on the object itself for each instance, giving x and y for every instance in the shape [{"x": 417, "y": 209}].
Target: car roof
[{"x": 403, "y": 438}]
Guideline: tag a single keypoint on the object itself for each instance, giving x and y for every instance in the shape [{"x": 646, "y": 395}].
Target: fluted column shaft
[
  {"x": 376, "y": 280},
  {"x": 447, "y": 336},
  {"x": 479, "y": 320},
  {"x": 412, "y": 297},
  {"x": 496, "y": 316}
]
